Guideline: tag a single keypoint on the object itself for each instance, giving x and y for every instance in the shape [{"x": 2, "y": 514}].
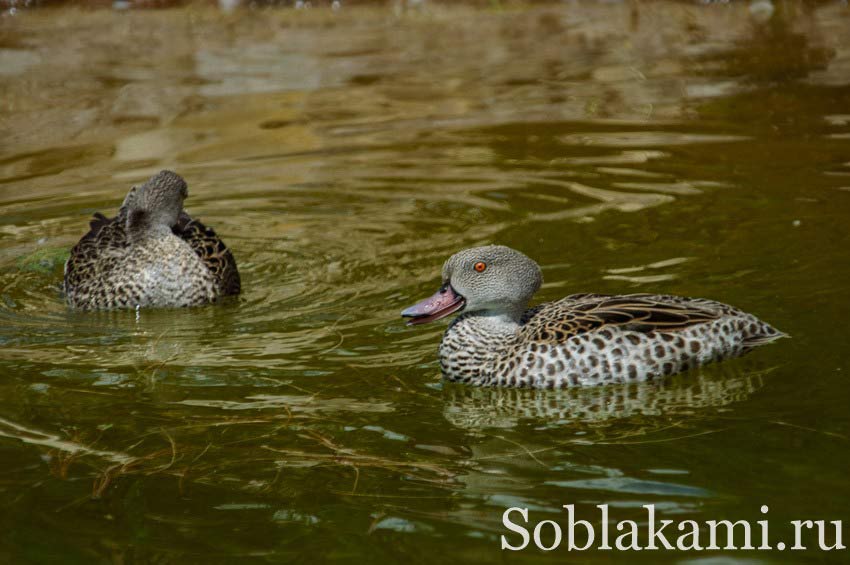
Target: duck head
[
  {"x": 492, "y": 280},
  {"x": 157, "y": 203}
]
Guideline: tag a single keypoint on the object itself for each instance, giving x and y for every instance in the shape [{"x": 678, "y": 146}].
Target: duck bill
[{"x": 444, "y": 302}]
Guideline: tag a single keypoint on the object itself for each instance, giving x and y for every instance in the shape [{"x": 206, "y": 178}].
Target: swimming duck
[
  {"x": 583, "y": 339},
  {"x": 152, "y": 254}
]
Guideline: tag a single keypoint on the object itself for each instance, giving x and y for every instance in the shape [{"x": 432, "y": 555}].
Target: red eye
[{"x": 480, "y": 266}]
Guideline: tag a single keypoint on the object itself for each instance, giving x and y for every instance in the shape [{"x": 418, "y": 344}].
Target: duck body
[
  {"x": 585, "y": 340},
  {"x": 580, "y": 340},
  {"x": 151, "y": 254}
]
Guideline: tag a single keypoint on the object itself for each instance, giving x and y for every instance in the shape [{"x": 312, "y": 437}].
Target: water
[{"x": 343, "y": 155}]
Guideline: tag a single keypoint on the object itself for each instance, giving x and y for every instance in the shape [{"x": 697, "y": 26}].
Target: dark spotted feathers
[
  {"x": 212, "y": 251},
  {"x": 134, "y": 259}
]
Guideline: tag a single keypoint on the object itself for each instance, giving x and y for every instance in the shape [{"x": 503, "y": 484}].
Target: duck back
[{"x": 112, "y": 268}]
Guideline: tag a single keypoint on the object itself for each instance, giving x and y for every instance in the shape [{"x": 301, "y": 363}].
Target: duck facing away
[
  {"x": 152, "y": 254},
  {"x": 583, "y": 339}
]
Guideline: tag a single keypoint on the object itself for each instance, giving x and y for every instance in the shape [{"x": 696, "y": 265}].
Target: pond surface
[{"x": 690, "y": 149}]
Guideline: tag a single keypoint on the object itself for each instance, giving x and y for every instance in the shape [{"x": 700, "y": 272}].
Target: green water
[{"x": 698, "y": 150}]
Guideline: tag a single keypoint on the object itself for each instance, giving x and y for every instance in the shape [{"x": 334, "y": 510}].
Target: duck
[
  {"x": 579, "y": 340},
  {"x": 152, "y": 254}
]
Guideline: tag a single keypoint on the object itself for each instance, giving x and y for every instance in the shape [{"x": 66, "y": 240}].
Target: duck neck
[
  {"x": 142, "y": 224},
  {"x": 473, "y": 341},
  {"x": 498, "y": 321},
  {"x": 147, "y": 232}
]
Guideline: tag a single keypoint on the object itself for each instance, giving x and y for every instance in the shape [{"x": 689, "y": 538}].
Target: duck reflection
[{"x": 714, "y": 388}]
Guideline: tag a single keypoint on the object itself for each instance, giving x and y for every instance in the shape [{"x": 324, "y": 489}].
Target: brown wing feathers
[
  {"x": 643, "y": 313},
  {"x": 212, "y": 251}
]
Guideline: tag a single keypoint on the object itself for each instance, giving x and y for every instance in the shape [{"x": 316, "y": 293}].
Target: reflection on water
[
  {"x": 343, "y": 155},
  {"x": 473, "y": 408}
]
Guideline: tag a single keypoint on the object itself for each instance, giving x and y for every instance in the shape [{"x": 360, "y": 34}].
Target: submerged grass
[{"x": 182, "y": 456}]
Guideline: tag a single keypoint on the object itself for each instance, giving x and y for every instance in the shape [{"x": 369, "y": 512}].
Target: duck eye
[{"x": 480, "y": 266}]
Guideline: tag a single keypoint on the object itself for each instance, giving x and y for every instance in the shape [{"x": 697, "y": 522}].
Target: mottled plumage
[
  {"x": 152, "y": 254},
  {"x": 583, "y": 339}
]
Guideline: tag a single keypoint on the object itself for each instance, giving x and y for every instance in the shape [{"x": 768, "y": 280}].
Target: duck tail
[{"x": 765, "y": 334}]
